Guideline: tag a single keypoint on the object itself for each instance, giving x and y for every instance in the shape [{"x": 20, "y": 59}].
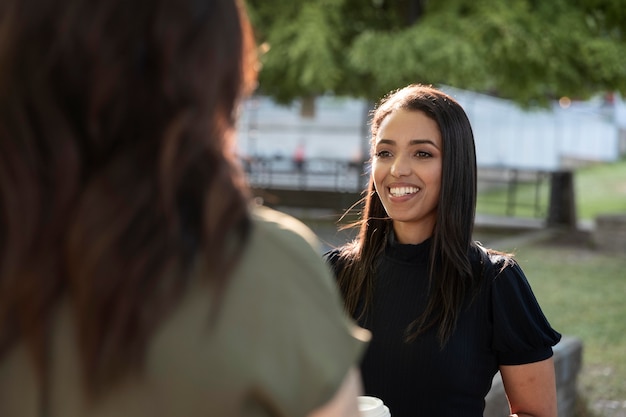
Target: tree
[{"x": 530, "y": 51}]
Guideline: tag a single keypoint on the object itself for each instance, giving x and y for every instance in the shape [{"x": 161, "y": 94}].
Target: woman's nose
[{"x": 400, "y": 167}]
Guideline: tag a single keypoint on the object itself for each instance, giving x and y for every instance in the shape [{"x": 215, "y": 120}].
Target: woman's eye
[
  {"x": 423, "y": 154},
  {"x": 383, "y": 154}
]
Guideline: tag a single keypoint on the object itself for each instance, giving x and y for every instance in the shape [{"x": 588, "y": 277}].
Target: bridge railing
[
  {"x": 331, "y": 183},
  {"x": 322, "y": 174},
  {"x": 514, "y": 192}
]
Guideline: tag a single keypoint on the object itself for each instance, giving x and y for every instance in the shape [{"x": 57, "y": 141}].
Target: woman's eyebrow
[{"x": 411, "y": 142}]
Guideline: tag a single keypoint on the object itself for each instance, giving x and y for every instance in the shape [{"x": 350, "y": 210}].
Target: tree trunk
[
  {"x": 562, "y": 209},
  {"x": 415, "y": 11},
  {"x": 307, "y": 107}
]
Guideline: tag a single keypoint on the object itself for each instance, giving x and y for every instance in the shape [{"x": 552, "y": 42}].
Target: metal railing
[
  {"x": 322, "y": 174},
  {"x": 505, "y": 191},
  {"x": 514, "y": 192}
]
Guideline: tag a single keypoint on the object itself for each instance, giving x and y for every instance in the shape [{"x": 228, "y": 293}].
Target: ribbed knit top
[{"x": 504, "y": 325}]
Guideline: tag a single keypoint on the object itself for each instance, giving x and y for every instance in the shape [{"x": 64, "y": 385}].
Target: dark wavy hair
[
  {"x": 451, "y": 274},
  {"x": 117, "y": 166}
]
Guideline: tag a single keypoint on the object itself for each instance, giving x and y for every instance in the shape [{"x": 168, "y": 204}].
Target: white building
[{"x": 506, "y": 136}]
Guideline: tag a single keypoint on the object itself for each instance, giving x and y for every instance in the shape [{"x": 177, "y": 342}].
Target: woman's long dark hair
[
  {"x": 451, "y": 275},
  {"x": 117, "y": 167}
]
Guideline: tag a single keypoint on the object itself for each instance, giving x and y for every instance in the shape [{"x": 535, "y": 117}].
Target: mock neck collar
[{"x": 406, "y": 252}]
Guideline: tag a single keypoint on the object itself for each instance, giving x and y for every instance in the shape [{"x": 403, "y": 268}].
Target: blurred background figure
[{"x": 135, "y": 276}]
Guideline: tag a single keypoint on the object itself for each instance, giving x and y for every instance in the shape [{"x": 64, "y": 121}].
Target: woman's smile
[{"x": 400, "y": 191}]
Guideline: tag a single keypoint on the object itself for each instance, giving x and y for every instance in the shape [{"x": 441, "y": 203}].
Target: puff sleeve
[{"x": 521, "y": 332}]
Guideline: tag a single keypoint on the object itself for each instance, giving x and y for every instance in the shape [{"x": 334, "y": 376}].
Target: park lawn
[
  {"x": 599, "y": 188},
  {"x": 582, "y": 291}
]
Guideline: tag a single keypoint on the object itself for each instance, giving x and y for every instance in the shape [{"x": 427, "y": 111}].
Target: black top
[{"x": 504, "y": 325}]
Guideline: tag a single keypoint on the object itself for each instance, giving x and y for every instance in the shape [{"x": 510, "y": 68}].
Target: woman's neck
[{"x": 412, "y": 233}]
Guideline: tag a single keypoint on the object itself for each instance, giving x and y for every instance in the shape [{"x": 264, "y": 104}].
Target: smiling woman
[{"x": 445, "y": 313}]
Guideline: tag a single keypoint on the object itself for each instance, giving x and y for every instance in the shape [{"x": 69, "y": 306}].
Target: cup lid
[{"x": 372, "y": 407}]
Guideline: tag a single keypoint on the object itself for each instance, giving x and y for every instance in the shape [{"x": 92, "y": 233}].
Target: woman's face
[{"x": 406, "y": 168}]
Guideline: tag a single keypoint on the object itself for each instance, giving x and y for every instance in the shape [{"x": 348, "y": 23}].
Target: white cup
[{"x": 372, "y": 407}]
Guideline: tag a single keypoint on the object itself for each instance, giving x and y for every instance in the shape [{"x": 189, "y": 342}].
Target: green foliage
[
  {"x": 309, "y": 64},
  {"x": 530, "y": 51}
]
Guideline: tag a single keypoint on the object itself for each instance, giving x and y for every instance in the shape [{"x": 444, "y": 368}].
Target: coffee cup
[{"x": 372, "y": 407}]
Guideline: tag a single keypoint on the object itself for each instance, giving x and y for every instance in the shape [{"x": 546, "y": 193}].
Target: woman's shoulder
[
  {"x": 333, "y": 256},
  {"x": 337, "y": 258},
  {"x": 491, "y": 262},
  {"x": 282, "y": 228}
]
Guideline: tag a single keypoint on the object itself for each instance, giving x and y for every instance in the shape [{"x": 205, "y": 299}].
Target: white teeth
[{"x": 400, "y": 191}]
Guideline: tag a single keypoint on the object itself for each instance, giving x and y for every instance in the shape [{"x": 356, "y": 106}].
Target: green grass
[
  {"x": 529, "y": 200},
  {"x": 599, "y": 188},
  {"x": 582, "y": 293}
]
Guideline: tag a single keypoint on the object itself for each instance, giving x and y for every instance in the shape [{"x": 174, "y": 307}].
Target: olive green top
[{"x": 281, "y": 345}]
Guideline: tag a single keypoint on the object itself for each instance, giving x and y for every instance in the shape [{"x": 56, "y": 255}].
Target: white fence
[{"x": 270, "y": 130}]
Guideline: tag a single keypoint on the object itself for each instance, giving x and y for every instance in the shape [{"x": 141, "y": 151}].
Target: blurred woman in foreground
[{"x": 135, "y": 277}]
